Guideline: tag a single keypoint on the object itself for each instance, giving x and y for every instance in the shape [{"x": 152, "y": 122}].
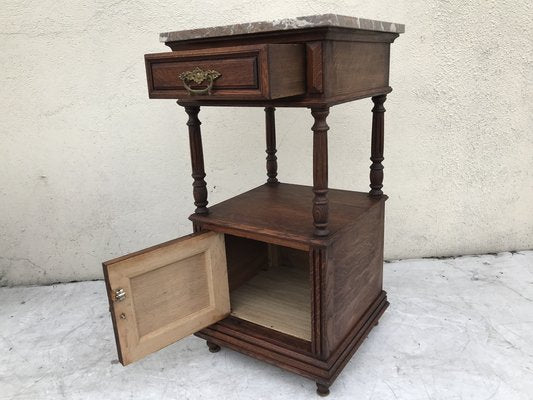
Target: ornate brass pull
[{"x": 198, "y": 75}]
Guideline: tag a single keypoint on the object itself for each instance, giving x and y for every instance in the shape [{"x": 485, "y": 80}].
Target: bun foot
[
  {"x": 322, "y": 390},
  {"x": 213, "y": 348}
]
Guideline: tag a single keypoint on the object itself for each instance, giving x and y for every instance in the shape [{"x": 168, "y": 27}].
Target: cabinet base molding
[{"x": 324, "y": 372}]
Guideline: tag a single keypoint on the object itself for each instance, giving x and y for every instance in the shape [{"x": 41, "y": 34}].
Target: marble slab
[{"x": 311, "y": 21}]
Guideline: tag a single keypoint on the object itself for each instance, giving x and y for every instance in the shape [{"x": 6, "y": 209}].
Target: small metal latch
[{"x": 120, "y": 294}]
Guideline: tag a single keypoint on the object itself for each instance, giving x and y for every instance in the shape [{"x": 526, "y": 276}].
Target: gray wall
[{"x": 93, "y": 169}]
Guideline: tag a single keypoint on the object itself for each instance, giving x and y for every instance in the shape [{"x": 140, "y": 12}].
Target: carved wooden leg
[
  {"x": 320, "y": 170},
  {"x": 213, "y": 348},
  {"x": 376, "y": 169},
  {"x": 322, "y": 390},
  {"x": 197, "y": 160},
  {"x": 272, "y": 160}
]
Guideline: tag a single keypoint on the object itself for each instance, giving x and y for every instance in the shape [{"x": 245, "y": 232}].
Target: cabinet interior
[{"x": 269, "y": 285}]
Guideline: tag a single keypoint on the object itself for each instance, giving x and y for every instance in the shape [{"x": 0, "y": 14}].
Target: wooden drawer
[{"x": 255, "y": 72}]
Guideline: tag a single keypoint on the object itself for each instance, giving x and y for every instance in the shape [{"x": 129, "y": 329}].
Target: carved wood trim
[
  {"x": 318, "y": 340},
  {"x": 314, "y": 67}
]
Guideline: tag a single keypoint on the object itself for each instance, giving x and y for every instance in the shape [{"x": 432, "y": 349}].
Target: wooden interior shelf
[
  {"x": 278, "y": 298},
  {"x": 284, "y": 210}
]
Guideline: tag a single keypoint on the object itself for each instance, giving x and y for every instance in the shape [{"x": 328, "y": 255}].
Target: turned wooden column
[
  {"x": 376, "y": 169},
  {"x": 199, "y": 186},
  {"x": 320, "y": 170},
  {"x": 271, "y": 160}
]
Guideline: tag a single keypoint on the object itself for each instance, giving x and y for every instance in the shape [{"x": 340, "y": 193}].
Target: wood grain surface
[{"x": 172, "y": 290}]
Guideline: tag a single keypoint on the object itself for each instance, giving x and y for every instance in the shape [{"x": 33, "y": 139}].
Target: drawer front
[{"x": 265, "y": 71}]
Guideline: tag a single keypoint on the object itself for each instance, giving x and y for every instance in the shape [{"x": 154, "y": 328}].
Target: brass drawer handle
[{"x": 198, "y": 75}]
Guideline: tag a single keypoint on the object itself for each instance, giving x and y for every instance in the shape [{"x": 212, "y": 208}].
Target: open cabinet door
[{"x": 162, "y": 294}]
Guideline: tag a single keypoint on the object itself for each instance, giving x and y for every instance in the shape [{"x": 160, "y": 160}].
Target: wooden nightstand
[{"x": 288, "y": 274}]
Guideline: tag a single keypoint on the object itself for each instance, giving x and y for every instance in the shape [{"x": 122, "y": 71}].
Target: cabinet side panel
[
  {"x": 245, "y": 258},
  {"x": 286, "y": 63},
  {"x": 356, "y": 67},
  {"x": 356, "y": 262}
]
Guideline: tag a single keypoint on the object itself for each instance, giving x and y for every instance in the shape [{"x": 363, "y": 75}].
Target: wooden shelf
[
  {"x": 282, "y": 213},
  {"x": 278, "y": 298}
]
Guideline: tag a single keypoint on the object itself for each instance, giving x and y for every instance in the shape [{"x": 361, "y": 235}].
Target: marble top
[{"x": 311, "y": 21}]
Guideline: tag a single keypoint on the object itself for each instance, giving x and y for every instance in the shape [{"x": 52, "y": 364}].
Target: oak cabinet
[{"x": 286, "y": 273}]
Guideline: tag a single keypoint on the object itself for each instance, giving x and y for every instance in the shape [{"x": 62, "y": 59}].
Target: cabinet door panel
[{"x": 162, "y": 294}]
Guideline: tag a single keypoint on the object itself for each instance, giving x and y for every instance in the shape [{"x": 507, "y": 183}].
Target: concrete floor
[{"x": 457, "y": 328}]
